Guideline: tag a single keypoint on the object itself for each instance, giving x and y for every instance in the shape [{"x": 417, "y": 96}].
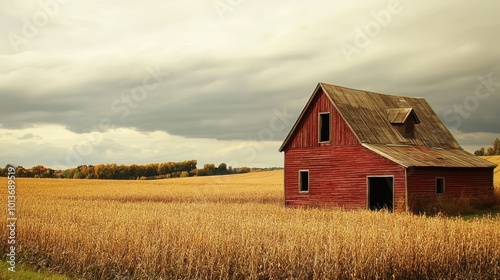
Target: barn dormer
[{"x": 404, "y": 120}]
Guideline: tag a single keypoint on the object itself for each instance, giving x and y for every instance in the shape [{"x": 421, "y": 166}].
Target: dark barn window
[
  {"x": 324, "y": 127},
  {"x": 304, "y": 180},
  {"x": 410, "y": 129},
  {"x": 439, "y": 185}
]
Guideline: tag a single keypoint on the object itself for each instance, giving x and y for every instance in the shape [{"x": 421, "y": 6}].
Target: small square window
[
  {"x": 304, "y": 180},
  {"x": 439, "y": 185}
]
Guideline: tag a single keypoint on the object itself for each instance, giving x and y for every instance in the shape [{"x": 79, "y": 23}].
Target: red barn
[{"x": 357, "y": 149}]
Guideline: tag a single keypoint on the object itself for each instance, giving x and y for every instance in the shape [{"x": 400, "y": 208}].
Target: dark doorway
[{"x": 380, "y": 193}]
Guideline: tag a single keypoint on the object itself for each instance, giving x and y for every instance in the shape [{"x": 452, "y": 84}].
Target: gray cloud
[
  {"x": 28, "y": 136},
  {"x": 226, "y": 78}
]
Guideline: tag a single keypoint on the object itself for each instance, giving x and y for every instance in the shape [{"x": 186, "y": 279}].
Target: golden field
[
  {"x": 495, "y": 160},
  {"x": 234, "y": 227}
]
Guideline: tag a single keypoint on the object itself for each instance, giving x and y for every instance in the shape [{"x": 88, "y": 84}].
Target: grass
[
  {"x": 235, "y": 227},
  {"x": 496, "y": 160},
  {"x": 24, "y": 272}
]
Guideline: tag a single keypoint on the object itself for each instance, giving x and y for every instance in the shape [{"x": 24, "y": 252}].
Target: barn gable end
[{"x": 305, "y": 133}]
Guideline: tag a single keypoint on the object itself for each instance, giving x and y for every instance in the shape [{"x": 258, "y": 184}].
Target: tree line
[
  {"x": 491, "y": 151},
  {"x": 128, "y": 172}
]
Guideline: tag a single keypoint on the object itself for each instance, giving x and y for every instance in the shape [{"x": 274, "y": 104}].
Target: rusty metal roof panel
[{"x": 419, "y": 156}]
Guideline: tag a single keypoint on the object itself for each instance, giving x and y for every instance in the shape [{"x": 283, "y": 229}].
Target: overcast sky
[{"x": 88, "y": 82}]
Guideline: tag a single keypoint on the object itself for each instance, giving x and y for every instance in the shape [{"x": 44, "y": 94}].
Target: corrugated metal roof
[
  {"x": 371, "y": 116},
  {"x": 366, "y": 114}
]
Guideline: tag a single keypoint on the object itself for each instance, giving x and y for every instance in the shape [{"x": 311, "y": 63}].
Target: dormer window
[{"x": 404, "y": 120}]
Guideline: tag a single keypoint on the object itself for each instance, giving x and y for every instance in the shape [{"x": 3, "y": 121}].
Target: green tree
[
  {"x": 491, "y": 151},
  {"x": 122, "y": 172},
  {"x": 39, "y": 171},
  {"x": 151, "y": 170},
  {"x": 84, "y": 170},
  {"x": 6, "y": 169},
  {"x": 209, "y": 169},
  {"x": 135, "y": 171},
  {"x": 21, "y": 171},
  {"x": 201, "y": 172},
  {"x": 222, "y": 169},
  {"x": 48, "y": 173},
  {"x": 496, "y": 147},
  {"x": 104, "y": 171},
  {"x": 78, "y": 175},
  {"x": 163, "y": 169},
  {"x": 188, "y": 165},
  {"x": 244, "y": 169},
  {"x": 68, "y": 173}
]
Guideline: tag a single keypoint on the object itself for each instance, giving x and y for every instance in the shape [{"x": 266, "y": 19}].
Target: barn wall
[
  {"x": 458, "y": 181},
  {"x": 306, "y": 134},
  {"x": 338, "y": 176}
]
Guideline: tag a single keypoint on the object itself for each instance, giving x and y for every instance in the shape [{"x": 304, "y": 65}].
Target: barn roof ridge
[{"x": 369, "y": 91}]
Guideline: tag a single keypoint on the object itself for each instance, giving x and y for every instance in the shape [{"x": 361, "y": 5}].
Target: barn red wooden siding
[
  {"x": 338, "y": 170},
  {"x": 338, "y": 176},
  {"x": 307, "y": 134},
  {"x": 458, "y": 181}
]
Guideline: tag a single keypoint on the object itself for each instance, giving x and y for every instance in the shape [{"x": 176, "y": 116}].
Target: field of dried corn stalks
[{"x": 234, "y": 227}]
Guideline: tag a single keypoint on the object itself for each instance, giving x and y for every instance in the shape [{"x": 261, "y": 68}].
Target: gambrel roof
[{"x": 373, "y": 118}]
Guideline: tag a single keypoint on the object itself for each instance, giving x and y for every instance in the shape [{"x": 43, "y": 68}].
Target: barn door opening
[{"x": 380, "y": 193}]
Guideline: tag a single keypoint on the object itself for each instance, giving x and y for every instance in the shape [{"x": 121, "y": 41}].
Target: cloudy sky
[{"x": 88, "y": 82}]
